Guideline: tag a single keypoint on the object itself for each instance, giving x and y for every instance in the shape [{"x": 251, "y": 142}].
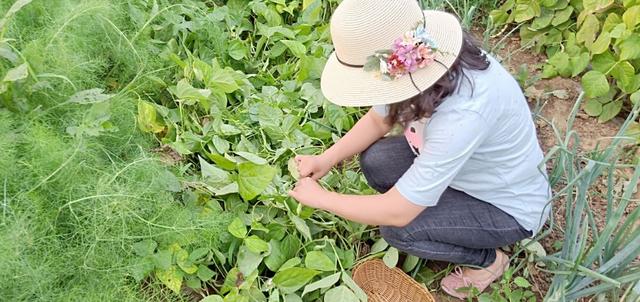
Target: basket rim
[{"x": 410, "y": 282}]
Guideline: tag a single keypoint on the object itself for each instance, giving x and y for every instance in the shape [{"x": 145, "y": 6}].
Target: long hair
[{"x": 424, "y": 104}]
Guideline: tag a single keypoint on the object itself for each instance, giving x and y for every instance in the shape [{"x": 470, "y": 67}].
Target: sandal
[{"x": 458, "y": 285}]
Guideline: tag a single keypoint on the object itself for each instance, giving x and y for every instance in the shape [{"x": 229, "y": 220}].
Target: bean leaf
[
  {"x": 322, "y": 283},
  {"x": 410, "y": 263},
  {"x": 379, "y": 246},
  {"x": 340, "y": 293},
  {"x": 212, "y": 298},
  {"x": 595, "y": 84},
  {"x": 147, "y": 121},
  {"x": 301, "y": 225},
  {"x": 348, "y": 281},
  {"x": 212, "y": 173},
  {"x": 296, "y": 48},
  {"x": 237, "y": 228},
  {"x": 390, "y": 258},
  {"x": 252, "y": 158},
  {"x": 318, "y": 260},
  {"x": 253, "y": 179},
  {"x": 16, "y": 73},
  {"x": 145, "y": 247},
  {"x": 294, "y": 278},
  {"x": 248, "y": 261},
  {"x": 256, "y": 245},
  {"x": 171, "y": 278},
  {"x": 521, "y": 282}
]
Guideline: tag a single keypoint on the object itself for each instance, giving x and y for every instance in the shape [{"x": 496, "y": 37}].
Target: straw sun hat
[{"x": 359, "y": 28}]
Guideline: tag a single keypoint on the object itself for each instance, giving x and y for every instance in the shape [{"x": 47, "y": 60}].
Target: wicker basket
[{"x": 384, "y": 284}]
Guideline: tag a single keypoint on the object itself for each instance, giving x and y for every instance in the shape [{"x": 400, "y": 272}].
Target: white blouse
[{"x": 481, "y": 141}]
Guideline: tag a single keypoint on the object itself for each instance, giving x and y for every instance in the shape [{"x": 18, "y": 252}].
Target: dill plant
[{"x": 73, "y": 205}]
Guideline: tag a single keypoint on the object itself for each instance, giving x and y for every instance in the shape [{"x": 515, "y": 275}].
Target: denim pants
[{"x": 459, "y": 229}]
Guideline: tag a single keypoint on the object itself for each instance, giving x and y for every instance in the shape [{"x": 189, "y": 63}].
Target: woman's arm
[
  {"x": 365, "y": 132},
  {"x": 390, "y": 208}
]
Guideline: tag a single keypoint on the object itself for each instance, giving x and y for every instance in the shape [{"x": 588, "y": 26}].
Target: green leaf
[
  {"x": 185, "y": 92},
  {"x": 601, "y": 44},
  {"x": 7, "y": 53},
  {"x": 253, "y": 179},
  {"x": 193, "y": 282},
  {"x": 311, "y": 11},
  {"x": 237, "y": 228},
  {"x": 292, "y": 166},
  {"x": 348, "y": 281},
  {"x": 372, "y": 64},
  {"x": 390, "y": 258},
  {"x": 524, "y": 12},
  {"x": 182, "y": 259},
  {"x": 318, "y": 260},
  {"x": 301, "y": 225},
  {"x": 410, "y": 263},
  {"x": 204, "y": 273},
  {"x": 171, "y": 278},
  {"x": 145, "y": 247},
  {"x": 379, "y": 246},
  {"x": 588, "y": 30},
  {"x": 147, "y": 118},
  {"x": 248, "y": 261},
  {"x": 579, "y": 63},
  {"x": 612, "y": 20},
  {"x": 222, "y": 79},
  {"x": 237, "y": 50},
  {"x": 17, "y": 73},
  {"x": 521, "y": 282},
  {"x": 295, "y": 261},
  {"x": 281, "y": 251},
  {"x": 610, "y": 110},
  {"x": 603, "y": 62},
  {"x": 297, "y": 49},
  {"x": 212, "y": 298},
  {"x": 625, "y": 74},
  {"x": 635, "y": 97},
  {"x": 162, "y": 259},
  {"x": 562, "y": 16},
  {"x": 561, "y": 63},
  {"x": 252, "y": 157},
  {"x": 593, "y": 107},
  {"x": 595, "y": 84},
  {"x": 19, "y": 4},
  {"x": 340, "y": 293},
  {"x": 631, "y": 16},
  {"x": 256, "y": 245},
  {"x": 213, "y": 173},
  {"x": 325, "y": 282},
  {"x": 294, "y": 278},
  {"x": 629, "y": 49},
  {"x": 90, "y": 96},
  {"x": 198, "y": 253}
]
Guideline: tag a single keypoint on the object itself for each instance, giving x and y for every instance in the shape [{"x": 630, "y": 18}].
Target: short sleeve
[
  {"x": 451, "y": 138},
  {"x": 382, "y": 110}
]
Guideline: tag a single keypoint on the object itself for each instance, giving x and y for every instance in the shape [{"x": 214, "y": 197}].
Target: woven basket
[{"x": 384, "y": 284}]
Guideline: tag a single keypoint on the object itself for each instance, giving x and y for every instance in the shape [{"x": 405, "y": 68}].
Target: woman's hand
[
  {"x": 314, "y": 166},
  {"x": 309, "y": 193}
]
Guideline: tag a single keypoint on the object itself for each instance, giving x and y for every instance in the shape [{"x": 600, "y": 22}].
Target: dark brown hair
[{"x": 424, "y": 104}]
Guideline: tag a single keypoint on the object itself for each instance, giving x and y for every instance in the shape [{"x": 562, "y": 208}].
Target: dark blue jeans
[{"x": 459, "y": 229}]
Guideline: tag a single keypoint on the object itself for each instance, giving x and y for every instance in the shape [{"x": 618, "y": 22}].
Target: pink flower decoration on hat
[{"x": 414, "y": 50}]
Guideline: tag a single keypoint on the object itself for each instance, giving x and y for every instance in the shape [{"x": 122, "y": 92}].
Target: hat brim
[{"x": 352, "y": 86}]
